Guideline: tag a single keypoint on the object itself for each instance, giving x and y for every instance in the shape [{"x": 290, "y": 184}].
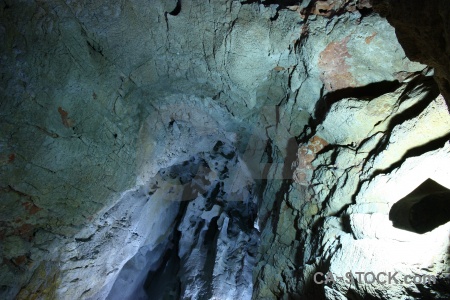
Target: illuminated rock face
[
  {"x": 214, "y": 150},
  {"x": 423, "y": 31}
]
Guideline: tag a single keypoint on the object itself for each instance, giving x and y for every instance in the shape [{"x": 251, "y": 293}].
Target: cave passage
[{"x": 213, "y": 240}]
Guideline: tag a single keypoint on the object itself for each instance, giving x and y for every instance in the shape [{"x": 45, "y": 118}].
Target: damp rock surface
[{"x": 219, "y": 149}]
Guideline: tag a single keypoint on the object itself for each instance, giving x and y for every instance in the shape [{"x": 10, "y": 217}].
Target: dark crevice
[
  {"x": 365, "y": 11},
  {"x": 214, "y": 193},
  {"x": 167, "y": 20},
  {"x": 283, "y": 191},
  {"x": 416, "y": 151},
  {"x": 366, "y": 140},
  {"x": 364, "y": 93},
  {"x": 156, "y": 284},
  {"x": 87, "y": 239},
  {"x": 251, "y": 2},
  {"x": 328, "y": 197},
  {"x": 330, "y": 147},
  {"x": 210, "y": 241},
  {"x": 410, "y": 113},
  {"x": 275, "y": 17},
  {"x": 431, "y": 145},
  {"x": 281, "y": 3},
  {"x": 95, "y": 47},
  {"x": 345, "y": 220},
  {"x": 420, "y": 78},
  {"x": 176, "y": 10},
  {"x": 268, "y": 153}
]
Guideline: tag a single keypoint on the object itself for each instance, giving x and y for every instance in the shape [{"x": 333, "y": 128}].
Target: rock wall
[
  {"x": 423, "y": 31},
  {"x": 138, "y": 137},
  {"x": 97, "y": 98},
  {"x": 380, "y": 129}
]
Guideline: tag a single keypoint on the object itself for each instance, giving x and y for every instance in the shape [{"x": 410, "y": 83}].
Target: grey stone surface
[
  {"x": 423, "y": 30},
  {"x": 98, "y": 96},
  {"x": 323, "y": 123}
]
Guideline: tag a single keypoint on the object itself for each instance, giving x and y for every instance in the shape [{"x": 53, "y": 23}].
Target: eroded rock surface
[
  {"x": 98, "y": 97},
  {"x": 423, "y": 30},
  {"x": 209, "y": 251},
  {"x": 369, "y": 145},
  {"x": 176, "y": 148}
]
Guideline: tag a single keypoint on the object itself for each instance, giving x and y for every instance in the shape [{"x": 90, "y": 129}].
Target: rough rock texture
[
  {"x": 97, "y": 97},
  {"x": 211, "y": 252},
  {"x": 138, "y": 137},
  {"x": 377, "y": 134},
  {"x": 423, "y": 30},
  {"x": 339, "y": 203}
]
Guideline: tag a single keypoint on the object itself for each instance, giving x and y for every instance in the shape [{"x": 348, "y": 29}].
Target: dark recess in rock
[
  {"x": 422, "y": 210},
  {"x": 177, "y": 9},
  {"x": 423, "y": 30},
  {"x": 367, "y": 93},
  {"x": 281, "y": 3},
  {"x": 164, "y": 281},
  {"x": 416, "y": 151}
]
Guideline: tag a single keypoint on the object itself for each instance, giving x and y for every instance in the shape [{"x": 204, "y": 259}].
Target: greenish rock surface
[{"x": 328, "y": 121}]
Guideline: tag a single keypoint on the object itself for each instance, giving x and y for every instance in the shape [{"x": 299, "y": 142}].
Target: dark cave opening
[{"x": 424, "y": 209}]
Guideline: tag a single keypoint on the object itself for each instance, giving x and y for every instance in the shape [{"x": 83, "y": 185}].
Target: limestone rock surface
[
  {"x": 219, "y": 149},
  {"x": 423, "y": 30}
]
